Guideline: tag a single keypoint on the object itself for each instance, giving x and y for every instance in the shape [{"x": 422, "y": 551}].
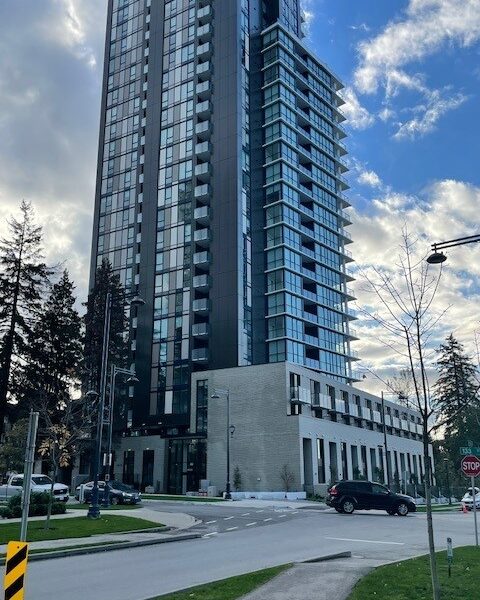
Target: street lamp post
[
  {"x": 385, "y": 443},
  {"x": 94, "y": 509},
  {"x": 216, "y": 394},
  {"x": 446, "y": 463},
  {"x": 437, "y": 257},
  {"x": 132, "y": 378}
]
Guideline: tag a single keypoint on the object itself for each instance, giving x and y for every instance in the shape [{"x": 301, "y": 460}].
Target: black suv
[{"x": 346, "y": 496}]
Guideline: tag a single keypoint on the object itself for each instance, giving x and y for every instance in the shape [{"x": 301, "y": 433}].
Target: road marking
[
  {"x": 209, "y": 522},
  {"x": 259, "y": 511},
  {"x": 209, "y": 534},
  {"x": 295, "y": 512},
  {"x": 245, "y": 514},
  {"x": 250, "y": 524},
  {"x": 269, "y": 519},
  {"x": 228, "y": 518},
  {"x": 281, "y": 516},
  {"x": 365, "y": 541},
  {"x": 231, "y": 528}
]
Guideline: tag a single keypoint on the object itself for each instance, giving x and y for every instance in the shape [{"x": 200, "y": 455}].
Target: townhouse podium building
[{"x": 220, "y": 200}]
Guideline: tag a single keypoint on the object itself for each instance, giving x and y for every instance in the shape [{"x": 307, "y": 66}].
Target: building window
[
  {"x": 202, "y": 405},
  {"x": 128, "y": 466}
]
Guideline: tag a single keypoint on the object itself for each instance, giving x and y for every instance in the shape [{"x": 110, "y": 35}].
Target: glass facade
[{"x": 305, "y": 255}]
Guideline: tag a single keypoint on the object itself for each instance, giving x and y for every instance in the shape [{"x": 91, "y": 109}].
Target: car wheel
[
  {"x": 391, "y": 512},
  {"x": 348, "y": 506},
  {"x": 402, "y": 509},
  {"x": 113, "y": 500}
]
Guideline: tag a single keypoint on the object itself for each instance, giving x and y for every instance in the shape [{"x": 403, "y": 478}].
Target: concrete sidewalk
[
  {"x": 178, "y": 522},
  {"x": 329, "y": 580}
]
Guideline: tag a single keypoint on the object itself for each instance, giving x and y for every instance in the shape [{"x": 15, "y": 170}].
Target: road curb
[
  {"x": 326, "y": 557},
  {"x": 107, "y": 547}
]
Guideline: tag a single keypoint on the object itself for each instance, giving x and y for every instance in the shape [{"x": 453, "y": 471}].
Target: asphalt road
[{"x": 142, "y": 573}]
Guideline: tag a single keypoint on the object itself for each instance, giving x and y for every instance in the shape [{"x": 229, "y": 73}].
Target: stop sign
[{"x": 470, "y": 466}]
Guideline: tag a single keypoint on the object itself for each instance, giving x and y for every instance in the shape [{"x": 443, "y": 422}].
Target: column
[
  {"x": 326, "y": 460},
  {"x": 339, "y": 460},
  {"x": 369, "y": 473},
  {"x": 349, "y": 461}
]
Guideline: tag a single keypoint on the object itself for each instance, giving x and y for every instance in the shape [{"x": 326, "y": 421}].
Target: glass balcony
[
  {"x": 202, "y": 192},
  {"x": 200, "y": 355},
  {"x": 204, "y": 50},
  {"x": 201, "y": 306},
  {"x": 203, "y": 150},
  {"x": 201, "y": 282},
  {"x": 200, "y": 330},
  {"x": 202, "y": 215},
  {"x": 203, "y": 171},
  {"x": 202, "y": 237},
  {"x": 203, "y": 130},
  {"x": 203, "y": 90},
  {"x": 204, "y": 70},
  {"x": 204, "y": 32},
  {"x": 204, "y": 14},
  {"x": 203, "y": 109},
  {"x": 201, "y": 258}
]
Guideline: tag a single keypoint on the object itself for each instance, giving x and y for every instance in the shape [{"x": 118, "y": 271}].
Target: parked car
[
  {"x": 40, "y": 483},
  {"x": 347, "y": 496},
  {"x": 467, "y": 499},
  {"x": 120, "y": 493}
]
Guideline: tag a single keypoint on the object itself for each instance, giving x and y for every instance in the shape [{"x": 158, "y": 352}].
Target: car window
[
  {"x": 41, "y": 480},
  {"x": 17, "y": 481},
  {"x": 379, "y": 489}
]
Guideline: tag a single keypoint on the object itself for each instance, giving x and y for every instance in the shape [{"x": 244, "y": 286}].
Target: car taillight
[{"x": 333, "y": 491}]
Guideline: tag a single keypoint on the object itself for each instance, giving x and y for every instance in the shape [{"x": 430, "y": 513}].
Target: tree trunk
[
  {"x": 428, "y": 500},
  {"x": 50, "y": 499}
]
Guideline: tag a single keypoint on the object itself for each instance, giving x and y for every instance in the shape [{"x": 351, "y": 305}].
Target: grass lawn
[
  {"x": 410, "y": 579},
  {"x": 226, "y": 589},
  {"x": 180, "y": 498},
  {"x": 441, "y": 508},
  {"x": 75, "y": 527}
]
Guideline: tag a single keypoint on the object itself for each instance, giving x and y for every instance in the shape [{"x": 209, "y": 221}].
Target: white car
[
  {"x": 467, "y": 499},
  {"x": 40, "y": 483}
]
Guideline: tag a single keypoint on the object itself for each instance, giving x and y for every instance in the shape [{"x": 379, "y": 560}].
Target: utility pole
[{"x": 27, "y": 472}]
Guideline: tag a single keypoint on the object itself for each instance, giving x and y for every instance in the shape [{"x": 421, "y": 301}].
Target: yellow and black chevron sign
[{"x": 15, "y": 567}]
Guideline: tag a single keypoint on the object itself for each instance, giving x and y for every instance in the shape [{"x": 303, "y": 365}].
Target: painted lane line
[
  {"x": 209, "y": 522},
  {"x": 209, "y": 534},
  {"x": 259, "y": 511},
  {"x": 295, "y": 512},
  {"x": 250, "y": 524},
  {"x": 228, "y": 518},
  {"x": 281, "y": 516},
  {"x": 365, "y": 541},
  {"x": 245, "y": 514},
  {"x": 231, "y": 528},
  {"x": 265, "y": 520}
]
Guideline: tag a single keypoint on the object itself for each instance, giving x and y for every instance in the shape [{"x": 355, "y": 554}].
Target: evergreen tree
[
  {"x": 54, "y": 351},
  {"x": 23, "y": 277},
  {"x": 106, "y": 280},
  {"x": 456, "y": 389}
]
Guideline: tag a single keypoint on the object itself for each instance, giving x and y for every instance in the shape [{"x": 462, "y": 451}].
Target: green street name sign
[{"x": 475, "y": 450}]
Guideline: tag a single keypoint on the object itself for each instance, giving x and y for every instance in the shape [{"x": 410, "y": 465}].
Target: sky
[{"x": 411, "y": 70}]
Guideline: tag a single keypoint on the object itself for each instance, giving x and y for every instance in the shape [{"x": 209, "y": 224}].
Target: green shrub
[
  {"x": 16, "y": 511},
  {"x": 14, "y": 501},
  {"x": 5, "y": 512},
  {"x": 59, "y": 508}
]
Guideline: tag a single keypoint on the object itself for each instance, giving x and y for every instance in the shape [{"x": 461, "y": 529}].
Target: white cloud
[
  {"x": 428, "y": 26},
  {"x": 427, "y": 115},
  {"x": 308, "y": 13},
  {"x": 369, "y": 178},
  {"x": 357, "y": 115},
  {"x": 447, "y": 209}
]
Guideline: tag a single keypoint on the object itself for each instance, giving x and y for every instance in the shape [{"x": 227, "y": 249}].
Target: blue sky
[{"x": 412, "y": 74}]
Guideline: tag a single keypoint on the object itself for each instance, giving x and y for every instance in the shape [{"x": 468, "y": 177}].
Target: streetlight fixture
[
  {"x": 108, "y": 455},
  {"x": 437, "y": 257},
  {"x": 230, "y": 429}
]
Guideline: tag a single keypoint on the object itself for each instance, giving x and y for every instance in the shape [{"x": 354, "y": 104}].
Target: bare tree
[
  {"x": 405, "y": 312},
  {"x": 287, "y": 477},
  {"x": 62, "y": 430}
]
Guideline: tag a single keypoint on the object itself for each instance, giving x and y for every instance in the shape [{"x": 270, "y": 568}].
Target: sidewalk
[
  {"x": 178, "y": 522},
  {"x": 329, "y": 580}
]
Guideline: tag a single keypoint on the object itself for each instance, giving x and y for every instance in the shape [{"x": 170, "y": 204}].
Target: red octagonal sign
[{"x": 470, "y": 466}]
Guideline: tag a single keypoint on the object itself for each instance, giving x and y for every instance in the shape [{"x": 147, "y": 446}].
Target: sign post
[
  {"x": 470, "y": 466},
  {"x": 449, "y": 555}
]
